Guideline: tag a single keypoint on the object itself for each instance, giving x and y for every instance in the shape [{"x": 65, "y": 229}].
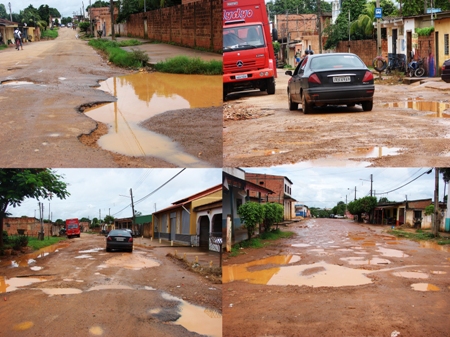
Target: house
[
  {"x": 7, "y": 30},
  {"x": 192, "y": 220},
  {"x": 142, "y": 225},
  {"x": 410, "y": 213},
  {"x": 236, "y": 192},
  {"x": 101, "y": 17},
  {"x": 300, "y": 210},
  {"x": 280, "y": 186}
]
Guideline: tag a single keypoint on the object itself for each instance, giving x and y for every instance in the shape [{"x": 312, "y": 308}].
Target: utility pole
[
  {"x": 436, "y": 202},
  {"x": 349, "y": 30},
  {"x": 111, "y": 9},
  {"x": 319, "y": 25},
  {"x": 10, "y": 14},
  {"x": 378, "y": 32},
  {"x": 132, "y": 207},
  {"x": 90, "y": 18},
  {"x": 371, "y": 184}
]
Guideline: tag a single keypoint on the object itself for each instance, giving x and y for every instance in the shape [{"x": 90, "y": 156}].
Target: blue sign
[{"x": 378, "y": 13}]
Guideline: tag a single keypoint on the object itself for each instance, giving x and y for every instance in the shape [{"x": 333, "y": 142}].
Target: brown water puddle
[
  {"x": 360, "y": 260},
  {"x": 96, "y": 330},
  {"x": 197, "y": 319},
  {"x": 27, "y": 259},
  {"x": 437, "y": 107},
  {"x": 391, "y": 252},
  {"x": 12, "y": 284},
  {"x": 61, "y": 291},
  {"x": 130, "y": 261},
  {"x": 435, "y": 246},
  {"x": 23, "y": 326},
  {"x": 411, "y": 274},
  {"x": 141, "y": 96},
  {"x": 110, "y": 287},
  {"x": 425, "y": 287}
]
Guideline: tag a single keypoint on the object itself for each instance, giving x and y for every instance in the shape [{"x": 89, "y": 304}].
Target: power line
[{"x": 427, "y": 172}]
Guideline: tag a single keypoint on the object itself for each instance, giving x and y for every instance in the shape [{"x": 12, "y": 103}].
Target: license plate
[
  {"x": 341, "y": 79},
  {"x": 239, "y": 77},
  {"x": 120, "y": 239}
]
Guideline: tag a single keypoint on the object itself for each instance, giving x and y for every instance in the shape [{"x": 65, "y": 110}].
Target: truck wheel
[
  {"x": 307, "y": 107},
  {"x": 271, "y": 86},
  {"x": 292, "y": 105}
]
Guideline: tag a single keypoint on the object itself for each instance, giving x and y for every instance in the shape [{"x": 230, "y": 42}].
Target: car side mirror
[{"x": 288, "y": 72}]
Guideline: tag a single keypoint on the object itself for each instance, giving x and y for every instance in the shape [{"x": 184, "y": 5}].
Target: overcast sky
[
  {"x": 101, "y": 189},
  {"x": 65, "y": 7},
  {"x": 325, "y": 187}
]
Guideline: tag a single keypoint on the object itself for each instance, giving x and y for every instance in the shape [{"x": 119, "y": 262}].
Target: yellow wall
[
  {"x": 441, "y": 27},
  {"x": 216, "y": 196}
]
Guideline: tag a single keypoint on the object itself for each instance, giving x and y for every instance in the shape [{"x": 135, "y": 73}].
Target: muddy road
[
  {"x": 80, "y": 290},
  {"x": 44, "y": 91},
  {"x": 408, "y": 126},
  {"x": 338, "y": 278}
]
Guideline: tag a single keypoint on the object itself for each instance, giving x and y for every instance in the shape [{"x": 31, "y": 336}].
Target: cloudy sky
[
  {"x": 65, "y": 7},
  {"x": 108, "y": 190},
  {"x": 325, "y": 187}
]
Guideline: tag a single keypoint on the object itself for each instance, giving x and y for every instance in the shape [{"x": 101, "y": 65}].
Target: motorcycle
[{"x": 415, "y": 68}]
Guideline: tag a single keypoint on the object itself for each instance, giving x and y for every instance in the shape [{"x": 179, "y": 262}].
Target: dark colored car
[
  {"x": 119, "y": 239},
  {"x": 330, "y": 79},
  {"x": 445, "y": 74}
]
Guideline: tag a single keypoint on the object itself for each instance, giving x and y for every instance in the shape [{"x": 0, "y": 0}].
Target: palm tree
[{"x": 363, "y": 26}]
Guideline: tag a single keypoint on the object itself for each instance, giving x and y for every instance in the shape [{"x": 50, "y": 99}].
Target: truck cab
[
  {"x": 72, "y": 228},
  {"x": 248, "y": 56}
]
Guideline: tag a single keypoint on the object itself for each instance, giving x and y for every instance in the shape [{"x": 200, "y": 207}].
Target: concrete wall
[
  {"x": 196, "y": 24},
  {"x": 441, "y": 27}
]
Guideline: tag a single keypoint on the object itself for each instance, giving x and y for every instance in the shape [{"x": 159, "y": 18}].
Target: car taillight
[
  {"x": 368, "y": 76},
  {"x": 109, "y": 238},
  {"x": 314, "y": 79},
  {"x": 130, "y": 239}
]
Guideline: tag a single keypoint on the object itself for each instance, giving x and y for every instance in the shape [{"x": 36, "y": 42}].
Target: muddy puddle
[
  {"x": 17, "y": 83},
  {"x": 391, "y": 252},
  {"x": 435, "y": 246},
  {"x": 424, "y": 287},
  {"x": 29, "y": 259},
  {"x": 141, "y": 96},
  {"x": 411, "y": 274},
  {"x": 195, "y": 318},
  {"x": 130, "y": 261},
  {"x": 437, "y": 108},
  {"x": 360, "y": 260},
  {"x": 15, "y": 283}
]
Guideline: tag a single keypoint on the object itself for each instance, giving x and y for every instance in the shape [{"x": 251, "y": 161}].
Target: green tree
[
  {"x": 66, "y": 20},
  {"x": 98, "y": 4},
  {"x": 339, "y": 208},
  {"x": 3, "y": 13},
  {"x": 18, "y": 184},
  {"x": 383, "y": 200},
  {"x": 109, "y": 219},
  {"x": 363, "y": 26},
  {"x": 389, "y": 8},
  {"x": 362, "y": 205},
  {"x": 251, "y": 214},
  {"x": 60, "y": 222},
  {"x": 30, "y": 16},
  {"x": 273, "y": 213}
]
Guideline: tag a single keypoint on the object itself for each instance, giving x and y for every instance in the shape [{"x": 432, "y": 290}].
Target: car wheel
[
  {"x": 307, "y": 107},
  {"x": 292, "y": 105},
  {"x": 108, "y": 249},
  {"x": 419, "y": 72},
  {"x": 271, "y": 86},
  {"x": 367, "y": 105}
]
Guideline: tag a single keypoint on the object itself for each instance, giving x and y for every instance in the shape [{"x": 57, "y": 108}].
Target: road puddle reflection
[
  {"x": 130, "y": 261},
  {"x": 93, "y": 250},
  {"x": 300, "y": 245},
  {"x": 141, "y": 96},
  {"x": 391, "y": 252},
  {"x": 18, "y": 83},
  {"x": 319, "y": 274},
  {"x": 438, "y": 272},
  {"x": 27, "y": 259},
  {"x": 96, "y": 330},
  {"x": 411, "y": 274},
  {"x": 23, "y": 326},
  {"x": 61, "y": 291},
  {"x": 425, "y": 287},
  {"x": 197, "y": 319},
  {"x": 435, "y": 246},
  {"x": 437, "y": 107},
  {"x": 109, "y": 287},
  {"x": 360, "y": 260},
  {"x": 12, "y": 284}
]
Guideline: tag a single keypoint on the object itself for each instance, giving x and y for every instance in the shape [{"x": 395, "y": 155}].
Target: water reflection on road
[{"x": 141, "y": 96}]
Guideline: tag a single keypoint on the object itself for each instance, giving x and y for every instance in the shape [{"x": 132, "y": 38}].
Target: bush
[
  {"x": 84, "y": 26},
  {"x": 188, "y": 65},
  {"x": 118, "y": 56},
  {"x": 5, "y": 237},
  {"x": 18, "y": 242}
]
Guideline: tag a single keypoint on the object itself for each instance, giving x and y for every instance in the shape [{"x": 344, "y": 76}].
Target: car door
[{"x": 295, "y": 84}]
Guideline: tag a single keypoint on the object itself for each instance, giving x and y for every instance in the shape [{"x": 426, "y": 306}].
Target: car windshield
[
  {"x": 246, "y": 37},
  {"x": 336, "y": 62}
]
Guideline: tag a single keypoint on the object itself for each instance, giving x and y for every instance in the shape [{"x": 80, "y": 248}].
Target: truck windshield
[
  {"x": 72, "y": 226},
  {"x": 243, "y": 37}
]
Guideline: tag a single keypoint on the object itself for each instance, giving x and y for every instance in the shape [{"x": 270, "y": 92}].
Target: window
[{"x": 446, "y": 42}]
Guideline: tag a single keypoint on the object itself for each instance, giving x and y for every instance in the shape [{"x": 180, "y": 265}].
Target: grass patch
[
  {"x": 419, "y": 235},
  {"x": 3, "y": 46},
  {"x": 49, "y": 34},
  {"x": 214, "y": 273},
  {"x": 118, "y": 56},
  {"x": 38, "y": 244},
  {"x": 259, "y": 242},
  {"x": 189, "y": 65},
  {"x": 276, "y": 234}
]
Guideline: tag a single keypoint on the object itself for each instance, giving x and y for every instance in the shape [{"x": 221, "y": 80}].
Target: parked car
[
  {"x": 119, "y": 239},
  {"x": 337, "y": 216},
  {"x": 445, "y": 74},
  {"x": 330, "y": 79}
]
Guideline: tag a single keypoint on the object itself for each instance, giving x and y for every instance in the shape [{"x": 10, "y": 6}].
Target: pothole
[{"x": 437, "y": 108}]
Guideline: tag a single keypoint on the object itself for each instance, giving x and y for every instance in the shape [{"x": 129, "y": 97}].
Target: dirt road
[
  {"x": 408, "y": 126},
  {"x": 80, "y": 290},
  {"x": 42, "y": 122},
  {"x": 337, "y": 278}
]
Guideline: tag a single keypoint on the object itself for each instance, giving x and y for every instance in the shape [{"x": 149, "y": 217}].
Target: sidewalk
[
  {"x": 161, "y": 51},
  {"x": 204, "y": 256}
]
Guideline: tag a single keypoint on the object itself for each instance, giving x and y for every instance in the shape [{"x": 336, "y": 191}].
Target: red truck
[
  {"x": 72, "y": 228},
  {"x": 248, "y": 56}
]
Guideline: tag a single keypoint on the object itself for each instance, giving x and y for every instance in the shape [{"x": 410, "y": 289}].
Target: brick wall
[
  {"x": 193, "y": 24},
  {"x": 365, "y": 49},
  {"x": 31, "y": 225}
]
